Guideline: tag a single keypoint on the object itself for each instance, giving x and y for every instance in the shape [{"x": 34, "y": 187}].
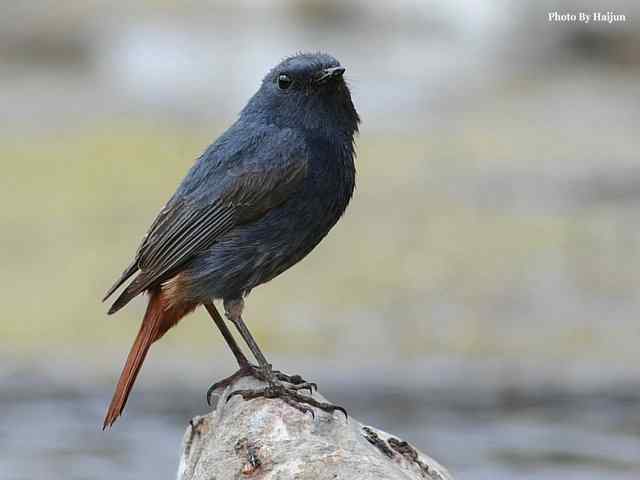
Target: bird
[{"x": 254, "y": 203}]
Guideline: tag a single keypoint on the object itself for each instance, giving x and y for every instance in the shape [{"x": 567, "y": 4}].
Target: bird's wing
[{"x": 241, "y": 193}]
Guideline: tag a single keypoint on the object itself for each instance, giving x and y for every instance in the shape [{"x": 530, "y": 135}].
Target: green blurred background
[{"x": 492, "y": 245}]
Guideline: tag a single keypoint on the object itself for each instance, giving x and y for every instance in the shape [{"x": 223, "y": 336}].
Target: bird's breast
[{"x": 331, "y": 179}]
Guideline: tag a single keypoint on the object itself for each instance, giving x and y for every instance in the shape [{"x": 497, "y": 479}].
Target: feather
[
  {"x": 157, "y": 320},
  {"x": 130, "y": 270},
  {"x": 187, "y": 225}
]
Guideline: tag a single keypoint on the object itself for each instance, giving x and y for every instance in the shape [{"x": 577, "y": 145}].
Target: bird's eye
[{"x": 284, "y": 81}]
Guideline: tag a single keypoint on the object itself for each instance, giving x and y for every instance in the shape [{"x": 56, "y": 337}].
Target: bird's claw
[
  {"x": 291, "y": 397},
  {"x": 244, "y": 371},
  {"x": 296, "y": 381}
]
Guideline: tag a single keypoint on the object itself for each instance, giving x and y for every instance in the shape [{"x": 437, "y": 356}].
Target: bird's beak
[{"x": 328, "y": 73}]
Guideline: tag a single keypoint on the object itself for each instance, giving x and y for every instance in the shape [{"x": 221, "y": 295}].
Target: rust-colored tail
[{"x": 159, "y": 317}]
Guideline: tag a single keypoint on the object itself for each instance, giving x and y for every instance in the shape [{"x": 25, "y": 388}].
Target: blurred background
[{"x": 480, "y": 298}]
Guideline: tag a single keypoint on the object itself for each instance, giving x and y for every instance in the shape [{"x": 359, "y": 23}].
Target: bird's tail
[{"x": 158, "y": 318}]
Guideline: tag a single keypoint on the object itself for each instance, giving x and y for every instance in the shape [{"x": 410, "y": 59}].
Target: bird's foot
[
  {"x": 264, "y": 375},
  {"x": 277, "y": 388},
  {"x": 247, "y": 370}
]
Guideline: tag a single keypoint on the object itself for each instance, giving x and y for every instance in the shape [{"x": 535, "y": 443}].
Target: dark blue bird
[{"x": 256, "y": 202}]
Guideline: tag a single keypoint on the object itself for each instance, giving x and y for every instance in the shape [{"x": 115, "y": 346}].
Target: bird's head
[{"x": 306, "y": 90}]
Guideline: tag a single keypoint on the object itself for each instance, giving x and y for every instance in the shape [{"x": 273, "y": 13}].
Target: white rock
[{"x": 269, "y": 440}]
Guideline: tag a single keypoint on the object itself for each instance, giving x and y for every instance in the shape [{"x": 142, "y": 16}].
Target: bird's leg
[
  {"x": 222, "y": 326},
  {"x": 233, "y": 311},
  {"x": 275, "y": 380},
  {"x": 246, "y": 368}
]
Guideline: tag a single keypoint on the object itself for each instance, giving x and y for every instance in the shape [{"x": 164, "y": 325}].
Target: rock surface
[{"x": 268, "y": 439}]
